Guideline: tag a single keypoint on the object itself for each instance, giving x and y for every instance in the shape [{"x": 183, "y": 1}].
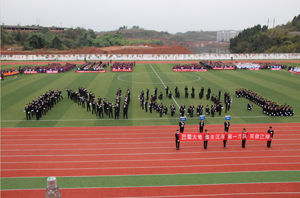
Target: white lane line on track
[
  {"x": 104, "y": 132},
  {"x": 126, "y": 148},
  {"x": 223, "y": 194},
  {"x": 145, "y": 154},
  {"x": 151, "y": 167},
  {"x": 146, "y": 160},
  {"x": 88, "y": 139}
]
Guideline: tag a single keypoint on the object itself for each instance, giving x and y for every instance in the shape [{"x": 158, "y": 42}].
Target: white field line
[
  {"x": 158, "y": 118},
  {"x": 164, "y": 85}
]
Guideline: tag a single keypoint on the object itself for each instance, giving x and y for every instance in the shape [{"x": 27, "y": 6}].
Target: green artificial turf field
[{"x": 16, "y": 91}]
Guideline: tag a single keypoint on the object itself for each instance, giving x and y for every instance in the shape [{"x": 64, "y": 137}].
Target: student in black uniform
[
  {"x": 160, "y": 97},
  {"x": 191, "y": 110},
  {"x": 165, "y": 110},
  {"x": 182, "y": 109},
  {"x": 110, "y": 111},
  {"x": 146, "y": 105},
  {"x": 177, "y": 142},
  {"x": 249, "y": 106},
  {"x": 181, "y": 125},
  {"x": 170, "y": 95},
  {"x": 207, "y": 111},
  {"x": 245, "y": 134},
  {"x": 100, "y": 110},
  {"x": 94, "y": 107},
  {"x": 272, "y": 134},
  {"x": 125, "y": 113},
  {"x": 27, "y": 111},
  {"x": 226, "y": 128},
  {"x": 116, "y": 108},
  {"x": 201, "y": 126},
  {"x": 173, "y": 108}
]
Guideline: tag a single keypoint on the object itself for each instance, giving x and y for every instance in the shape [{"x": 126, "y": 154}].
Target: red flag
[{"x": 12, "y": 68}]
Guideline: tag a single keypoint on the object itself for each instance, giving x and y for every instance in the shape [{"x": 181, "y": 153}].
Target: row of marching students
[
  {"x": 98, "y": 107},
  {"x": 269, "y": 108},
  {"x": 42, "y": 104}
]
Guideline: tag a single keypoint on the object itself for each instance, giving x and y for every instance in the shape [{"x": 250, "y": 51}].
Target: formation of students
[
  {"x": 51, "y": 67},
  {"x": 241, "y": 65},
  {"x": 41, "y": 105},
  {"x": 147, "y": 101},
  {"x": 188, "y": 66},
  {"x": 111, "y": 110},
  {"x": 123, "y": 65},
  {"x": 269, "y": 108}
]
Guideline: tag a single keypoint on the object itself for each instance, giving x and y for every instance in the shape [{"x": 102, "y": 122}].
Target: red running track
[{"x": 95, "y": 151}]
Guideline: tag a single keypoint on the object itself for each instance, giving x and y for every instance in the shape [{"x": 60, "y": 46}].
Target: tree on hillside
[
  {"x": 92, "y": 34},
  {"x": 57, "y": 43},
  {"x": 36, "y": 41}
]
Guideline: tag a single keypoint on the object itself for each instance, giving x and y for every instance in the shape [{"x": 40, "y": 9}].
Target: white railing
[{"x": 162, "y": 57}]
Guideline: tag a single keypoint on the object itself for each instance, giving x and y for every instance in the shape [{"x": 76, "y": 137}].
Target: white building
[{"x": 226, "y": 35}]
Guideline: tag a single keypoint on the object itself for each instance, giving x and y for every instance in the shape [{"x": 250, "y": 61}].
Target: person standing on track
[
  {"x": 201, "y": 126},
  {"x": 244, "y": 134},
  {"x": 177, "y": 140},
  {"x": 181, "y": 125},
  {"x": 206, "y": 137},
  {"x": 226, "y": 126},
  {"x": 272, "y": 134}
]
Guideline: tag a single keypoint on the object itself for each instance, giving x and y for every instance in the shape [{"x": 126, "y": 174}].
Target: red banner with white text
[
  {"x": 253, "y": 68},
  {"x": 100, "y": 71},
  {"x": 189, "y": 70},
  {"x": 30, "y": 72},
  {"x": 275, "y": 68},
  {"x": 223, "y": 68},
  {"x": 52, "y": 71},
  {"x": 223, "y": 136},
  {"x": 121, "y": 70}
]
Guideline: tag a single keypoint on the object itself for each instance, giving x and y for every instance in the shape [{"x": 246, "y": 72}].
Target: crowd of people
[
  {"x": 269, "y": 108},
  {"x": 50, "y": 67},
  {"x": 294, "y": 69},
  {"x": 100, "y": 106},
  {"x": 191, "y": 66},
  {"x": 93, "y": 66},
  {"x": 41, "y": 105},
  {"x": 123, "y": 65},
  {"x": 147, "y": 101},
  {"x": 241, "y": 65},
  {"x": 211, "y": 64}
]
